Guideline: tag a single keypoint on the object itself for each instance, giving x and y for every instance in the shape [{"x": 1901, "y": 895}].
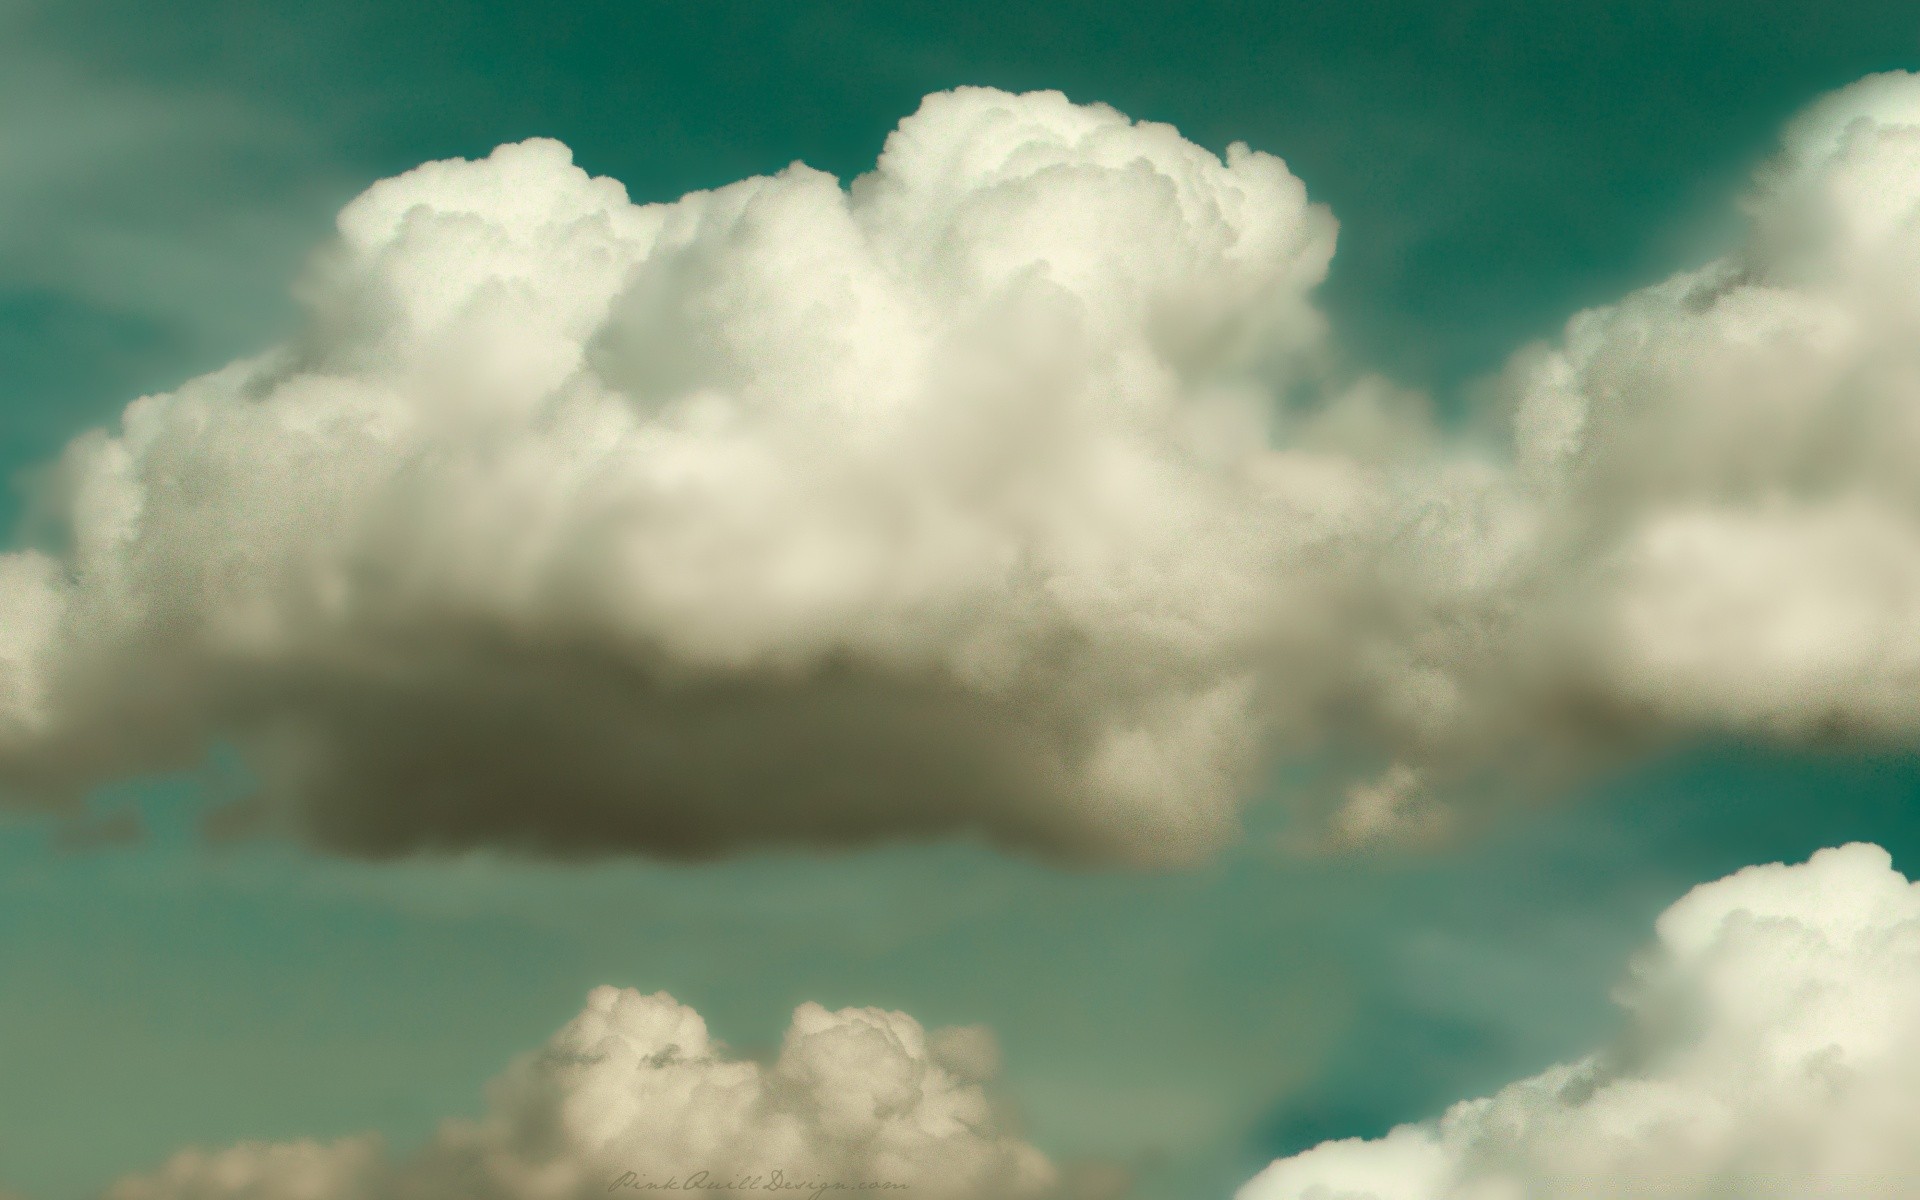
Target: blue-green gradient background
[{"x": 1495, "y": 166}]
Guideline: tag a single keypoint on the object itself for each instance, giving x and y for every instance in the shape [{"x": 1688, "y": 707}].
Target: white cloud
[
  {"x": 1770, "y": 1049},
  {"x": 1708, "y": 520},
  {"x": 960, "y": 500},
  {"x": 1727, "y": 454},
  {"x": 784, "y": 512},
  {"x": 634, "y": 1088}
]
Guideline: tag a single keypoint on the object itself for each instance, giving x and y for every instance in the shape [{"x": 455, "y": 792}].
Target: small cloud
[{"x": 634, "y": 1089}]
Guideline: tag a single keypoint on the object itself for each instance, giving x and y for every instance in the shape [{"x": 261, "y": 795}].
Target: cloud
[
  {"x": 1015, "y": 489},
  {"x": 634, "y": 1088},
  {"x": 1702, "y": 518},
  {"x": 1723, "y": 454},
  {"x": 1769, "y": 1053},
  {"x": 784, "y": 512}
]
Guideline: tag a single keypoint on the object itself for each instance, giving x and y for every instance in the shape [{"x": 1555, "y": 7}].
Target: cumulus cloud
[
  {"x": 784, "y": 512},
  {"x": 1015, "y": 488},
  {"x": 1771, "y": 1043},
  {"x": 634, "y": 1091},
  {"x": 1704, "y": 518},
  {"x": 1725, "y": 454}
]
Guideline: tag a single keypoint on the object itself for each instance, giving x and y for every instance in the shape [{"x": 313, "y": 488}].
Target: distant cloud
[
  {"x": 962, "y": 500},
  {"x": 1772, "y": 1041},
  {"x": 634, "y": 1088}
]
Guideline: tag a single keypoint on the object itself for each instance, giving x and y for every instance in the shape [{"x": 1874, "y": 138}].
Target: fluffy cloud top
[
  {"x": 782, "y": 512},
  {"x": 1772, "y": 1042},
  {"x": 634, "y": 1089}
]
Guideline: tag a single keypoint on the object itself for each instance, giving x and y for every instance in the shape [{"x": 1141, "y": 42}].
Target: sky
[{"x": 1494, "y": 168}]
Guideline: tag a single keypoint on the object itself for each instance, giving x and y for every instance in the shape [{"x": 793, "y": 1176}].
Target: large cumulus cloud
[
  {"x": 1016, "y": 488},
  {"x": 633, "y": 1095},
  {"x": 784, "y": 512},
  {"x": 1770, "y": 1051}
]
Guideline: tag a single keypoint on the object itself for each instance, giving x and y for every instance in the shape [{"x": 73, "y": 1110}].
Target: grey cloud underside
[
  {"x": 835, "y": 757},
  {"x": 959, "y": 500}
]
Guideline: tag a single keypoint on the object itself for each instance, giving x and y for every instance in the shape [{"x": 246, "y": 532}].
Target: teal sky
[{"x": 1495, "y": 166}]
